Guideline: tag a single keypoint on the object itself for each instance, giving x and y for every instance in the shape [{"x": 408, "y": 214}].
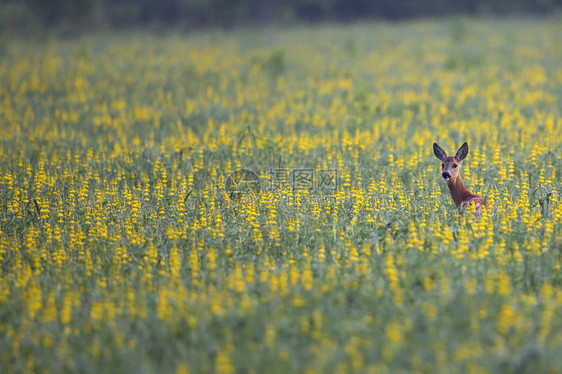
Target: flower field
[{"x": 133, "y": 240}]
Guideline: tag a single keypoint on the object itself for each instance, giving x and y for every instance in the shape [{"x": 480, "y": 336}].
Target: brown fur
[
  {"x": 461, "y": 195},
  {"x": 451, "y": 166}
]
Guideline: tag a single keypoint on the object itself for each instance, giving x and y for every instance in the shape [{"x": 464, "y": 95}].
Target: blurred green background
[{"x": 64, "y": 16}]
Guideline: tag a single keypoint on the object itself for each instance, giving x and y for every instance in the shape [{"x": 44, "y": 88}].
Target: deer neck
[{"x": 458, "y": 190}]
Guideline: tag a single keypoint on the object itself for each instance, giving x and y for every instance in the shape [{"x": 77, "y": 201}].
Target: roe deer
[{"x": 450, "y": 171}]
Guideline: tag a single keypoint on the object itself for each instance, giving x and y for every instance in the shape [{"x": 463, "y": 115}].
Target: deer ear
[
  {"x": 462, "y": 152},
  {"x": 439, "y": 152}
]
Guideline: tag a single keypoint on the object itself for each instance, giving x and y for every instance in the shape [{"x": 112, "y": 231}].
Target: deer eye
[{"x": 454, "y": 166}]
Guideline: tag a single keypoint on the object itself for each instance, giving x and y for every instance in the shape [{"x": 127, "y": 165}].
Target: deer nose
[{"x": 446, "y": 175}]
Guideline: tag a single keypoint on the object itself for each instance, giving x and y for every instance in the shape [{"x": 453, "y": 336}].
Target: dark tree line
[{"x": 191, "y": 14}]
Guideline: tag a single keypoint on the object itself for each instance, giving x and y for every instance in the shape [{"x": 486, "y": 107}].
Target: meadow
[{"x": 131, "y": 242}]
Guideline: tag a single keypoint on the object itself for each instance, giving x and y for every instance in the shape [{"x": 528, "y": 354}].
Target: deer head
[{"x": 450, "y": 166}]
